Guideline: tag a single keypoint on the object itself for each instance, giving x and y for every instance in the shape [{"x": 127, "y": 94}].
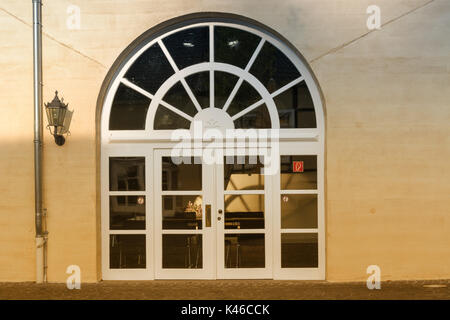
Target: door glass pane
[
  {"x": 186, "y": 176},
  {"x": 244, "y": 250},
  {"x": 126, "y": 173},
  {"x": 298, "y": 211},
  {"x": 182, "y": 212},
  {"x": 298, "y": 172},
  {"x": 243, "y": 173},
  {"x": 244, "y": 211},
  {"x": 299, "y": 250},
  {"x": 127, "y": 212},
  {"x": 234, "y": 46},
  {"x": 182, "y": 251},
  {"x": 127, "y": 251}
]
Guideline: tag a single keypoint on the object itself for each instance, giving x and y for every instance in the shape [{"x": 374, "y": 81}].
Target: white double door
[{"x": 211, "y": 221}]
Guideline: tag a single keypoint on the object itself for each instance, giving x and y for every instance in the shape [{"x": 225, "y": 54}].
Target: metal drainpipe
[{"x": 38, "y": 140}]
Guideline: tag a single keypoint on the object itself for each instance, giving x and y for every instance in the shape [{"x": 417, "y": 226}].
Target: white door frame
[{"x": 124, "y": 143}]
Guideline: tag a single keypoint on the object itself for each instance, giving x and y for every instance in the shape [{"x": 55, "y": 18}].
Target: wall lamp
[{"x": 59, "y": 118}]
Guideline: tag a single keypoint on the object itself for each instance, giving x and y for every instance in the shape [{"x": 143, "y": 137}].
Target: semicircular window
[{"x": 241, "y": 75}]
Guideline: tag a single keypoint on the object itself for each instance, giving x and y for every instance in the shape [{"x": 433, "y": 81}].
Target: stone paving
[{"x": 227, "y": 290}]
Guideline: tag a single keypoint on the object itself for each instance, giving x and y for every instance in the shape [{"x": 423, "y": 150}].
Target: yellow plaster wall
[{"x": 387, "y": 97}]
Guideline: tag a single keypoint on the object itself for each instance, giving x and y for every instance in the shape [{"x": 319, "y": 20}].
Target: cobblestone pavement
[{"x": 228, "y": 289}]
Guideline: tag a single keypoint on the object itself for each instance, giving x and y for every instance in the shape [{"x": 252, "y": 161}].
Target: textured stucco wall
[{"x": 387, "y": 97}]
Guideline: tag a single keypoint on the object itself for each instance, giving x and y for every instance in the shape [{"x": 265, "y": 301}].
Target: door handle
[
  {"x": 208, "y": 215},
  {"x": 220, "y": 211}
]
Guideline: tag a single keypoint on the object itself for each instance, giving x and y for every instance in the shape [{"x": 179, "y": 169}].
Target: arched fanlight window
[{"x": 226, "y": 74}]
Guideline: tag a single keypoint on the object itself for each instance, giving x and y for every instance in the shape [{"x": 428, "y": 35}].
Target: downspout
[{"x": 38, "y": 140}]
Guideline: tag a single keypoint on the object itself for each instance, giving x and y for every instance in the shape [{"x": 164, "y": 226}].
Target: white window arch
[{"x": 224, "y": 70}]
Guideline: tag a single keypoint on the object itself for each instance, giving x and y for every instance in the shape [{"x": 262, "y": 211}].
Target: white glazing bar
[
  {"x": 274, "y": 94},
  {"x": 235, "y": 231},
  {"x": 181, "y": 193},
  {"x": 182, "y": 231},
  {"x": 211, "y": 71},
  {"x": 191, "y": 95},
  {"x": 136, "y": 88},
  {"x": 286, "y": 87},
  {"x": 127, "y": 193},
  {"x": 142, "y": 231},
  {"x": 183, "y": 81},
  {"x": 312, "y": 230},
  {"x": 312, "y": 191},
  {"x": 243, "y": 192},
  {"x": 177, "y": 111},
  {"x": 247, "y": 110},
  {"x": 254, "y": 55},
  {"x": 247, "y": 68}
]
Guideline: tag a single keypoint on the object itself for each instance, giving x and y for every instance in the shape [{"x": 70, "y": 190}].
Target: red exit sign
[{"x": 297, "y": 166}]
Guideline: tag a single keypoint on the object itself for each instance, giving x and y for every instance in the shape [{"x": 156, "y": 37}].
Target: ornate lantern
[{"x": 59, "y": 118}]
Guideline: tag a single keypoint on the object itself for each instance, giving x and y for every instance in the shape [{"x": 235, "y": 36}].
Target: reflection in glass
[
  {"x": 127, "y": 212},
  {"x": 291, "y": 180},
  {"x": 245, "y": 97},
  {"x": 186, "y": 176},
  {"x": 223, "y": 85},
  {"x": 127, "y": 251},
  {"x": 126, "y": 173},
  {"x": 273, "y": 68},
  {"x": 258, "y": 118},
  {"x": 199, "y": 84},
  {"x": 244, "y": 250},
  {"x": 182, "y": 212},
  {"x": 298, "y": 211},
  {"x": 299, "y": 250},
  {"x": 244, "y": 211},
  {"x": 234, "y": 46},
  {"x": 178, "y": 98},
  {"x": 243, "y": 173},
  {"x": 150, "y": 70},
  {"x": 188, "y": 47},
  {"x": 166, "y": 120},
  {"x": 296, "y": 108},
  {"x": 182, "y": 251},
  {"x": 128, "y": 110}
]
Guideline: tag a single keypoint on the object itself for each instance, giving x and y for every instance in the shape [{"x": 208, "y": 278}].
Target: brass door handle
[
  {"x": 219, "y": 218},
  {"x": 220, "y": 211},
  {"x": 208, "y": 215}
]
